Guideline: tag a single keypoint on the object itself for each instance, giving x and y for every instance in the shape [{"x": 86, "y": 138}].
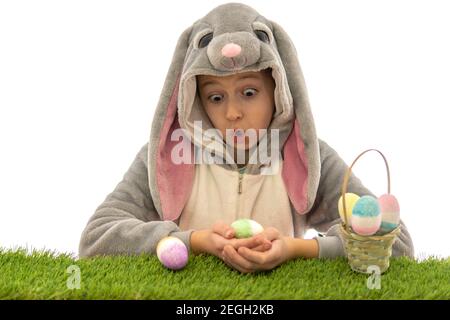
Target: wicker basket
[{"x": 365, "y": 251}]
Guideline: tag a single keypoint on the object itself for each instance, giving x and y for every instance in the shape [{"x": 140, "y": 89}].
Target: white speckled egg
[
  {"x": 246, "y": 228},
  {"x": 172, "y": 253},
  {"x": 366, "y": 216}
]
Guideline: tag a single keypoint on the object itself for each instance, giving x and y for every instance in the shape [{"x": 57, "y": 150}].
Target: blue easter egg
[{"x": 366, "y": 206}]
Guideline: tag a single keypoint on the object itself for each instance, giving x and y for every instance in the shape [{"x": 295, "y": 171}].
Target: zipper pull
[{"x": 240, "y": 183}]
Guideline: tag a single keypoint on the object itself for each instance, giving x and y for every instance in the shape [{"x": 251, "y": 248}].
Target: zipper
[{"x": 240, "y": 182}]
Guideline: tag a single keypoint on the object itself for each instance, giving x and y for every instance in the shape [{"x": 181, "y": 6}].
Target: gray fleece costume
[{"x": 148, "y": 203}]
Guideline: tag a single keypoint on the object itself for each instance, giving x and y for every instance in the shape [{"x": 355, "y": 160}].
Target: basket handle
[{"x": 347, "y": 176}]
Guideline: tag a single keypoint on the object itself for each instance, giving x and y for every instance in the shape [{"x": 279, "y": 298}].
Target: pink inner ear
[
  {"x": 295, "y": 170},
  {"x": 174, "y": 181}
]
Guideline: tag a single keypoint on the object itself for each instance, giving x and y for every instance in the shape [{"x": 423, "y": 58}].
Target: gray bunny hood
[{"x": 262, "y": 44}]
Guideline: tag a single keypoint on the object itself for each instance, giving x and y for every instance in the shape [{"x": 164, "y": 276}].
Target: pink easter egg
[
  {"x": 390, "y": 213},
  {"x": 172, "y": 253},
  {"x": 388, "y": 203}
]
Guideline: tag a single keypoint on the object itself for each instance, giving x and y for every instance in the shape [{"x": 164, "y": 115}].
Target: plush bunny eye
[
  {"x": 205, "y": 40},
  {"x": 262, "y": 35}
]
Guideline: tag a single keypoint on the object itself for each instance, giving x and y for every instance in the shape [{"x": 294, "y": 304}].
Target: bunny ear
[
  {"x": 301, "y": 165},
  {"x": 170, "y": 183}
]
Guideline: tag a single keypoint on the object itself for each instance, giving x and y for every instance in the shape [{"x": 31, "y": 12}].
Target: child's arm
[
  {"x": 324, "y": 216},
  {"x": 302, "y": 248},
  {"x": 127, "y": 222}
]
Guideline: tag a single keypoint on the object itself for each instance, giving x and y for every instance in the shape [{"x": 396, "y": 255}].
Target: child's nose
[
  {"x": 233, "y": 113},
  {"x": 231, "y": 50}
]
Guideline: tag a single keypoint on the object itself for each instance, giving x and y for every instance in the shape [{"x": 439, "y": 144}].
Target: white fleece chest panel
[{"x": 215, "y": 197}]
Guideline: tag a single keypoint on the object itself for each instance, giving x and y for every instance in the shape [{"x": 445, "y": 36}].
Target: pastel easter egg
[
  {"x": 366, "y": 216},
  {"x": 172, "y": 253},
  {"x": 350, "y": 200},
  {"x": 246, "y": 228},
  {"x": 390, "y": 213}
]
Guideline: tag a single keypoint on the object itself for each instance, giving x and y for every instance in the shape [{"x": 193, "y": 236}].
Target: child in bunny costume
[{"x": 233, "y": 70}]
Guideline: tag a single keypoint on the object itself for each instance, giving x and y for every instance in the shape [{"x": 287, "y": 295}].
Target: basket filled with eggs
[{"x": 369, "y": 225}]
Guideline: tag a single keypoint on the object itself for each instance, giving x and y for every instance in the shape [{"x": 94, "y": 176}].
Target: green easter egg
[{"x": 246, "y": 228}]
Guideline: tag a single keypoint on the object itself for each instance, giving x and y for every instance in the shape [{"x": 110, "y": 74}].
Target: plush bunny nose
[{"x": 231, "y": 50}]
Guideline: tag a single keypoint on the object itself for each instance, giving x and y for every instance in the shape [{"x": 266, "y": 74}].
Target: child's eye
[
  {"x": 249, "y": 92},
  {"x": 215, "y": 98}
]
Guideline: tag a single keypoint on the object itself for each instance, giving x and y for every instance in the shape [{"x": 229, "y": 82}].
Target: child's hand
[
  {"x": 213, "y": 241},
  {"x": 247, "y": 260}
]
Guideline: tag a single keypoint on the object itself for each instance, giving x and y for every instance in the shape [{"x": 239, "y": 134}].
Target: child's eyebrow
[{"x": 208, "y": 82}]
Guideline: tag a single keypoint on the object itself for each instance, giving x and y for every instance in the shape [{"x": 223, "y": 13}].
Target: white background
[{"x": 80, "y": 80}]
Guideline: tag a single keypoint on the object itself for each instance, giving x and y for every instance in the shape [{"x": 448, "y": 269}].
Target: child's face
[{"x": 239, "y": 101}]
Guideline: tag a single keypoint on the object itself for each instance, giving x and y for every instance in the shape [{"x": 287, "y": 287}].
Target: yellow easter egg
[{"x": 350, "y": 200}]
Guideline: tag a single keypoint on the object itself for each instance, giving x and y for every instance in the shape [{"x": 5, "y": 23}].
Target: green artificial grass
[{"x": 43, "y": 275}]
